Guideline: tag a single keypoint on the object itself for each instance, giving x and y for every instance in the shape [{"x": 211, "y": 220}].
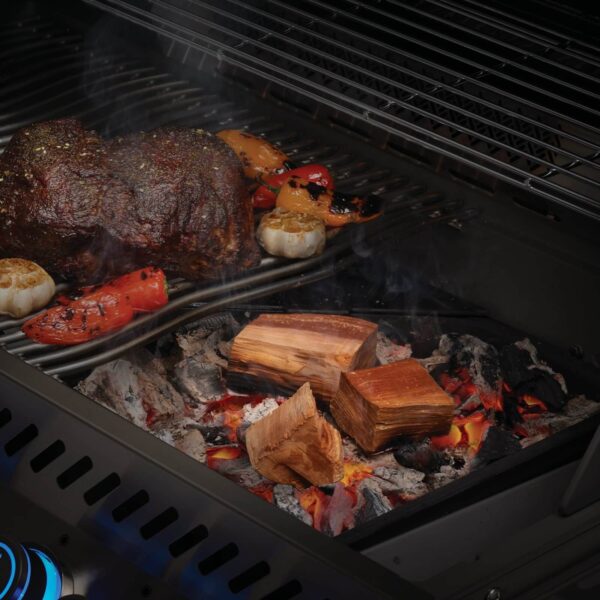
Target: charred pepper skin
[
  {"x": 101, "y": 310},
  {"x": 266, "y": 195}
]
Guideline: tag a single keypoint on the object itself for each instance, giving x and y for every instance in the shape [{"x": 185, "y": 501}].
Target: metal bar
[
  {"x": 552, "y": 166},
  {"x": 436, "y": 85},
  {"x": 474, "y": 64},
  {"x": 524, "y": 179},
  {"x": 487, "y": 38},
  {"x": 535, "y": 25},
  {"x": 552, "y": 43},
  {"x": 460, "y": 77}
]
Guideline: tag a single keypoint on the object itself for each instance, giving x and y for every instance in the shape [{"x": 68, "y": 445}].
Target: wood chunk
[
  {"x": 294, "y": 444},
  {"x": 375, "y": 405},
  {"x": 279, "y": 353}
]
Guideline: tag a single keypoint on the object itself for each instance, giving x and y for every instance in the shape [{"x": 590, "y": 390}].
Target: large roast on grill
[{"x": 85, "y": 208}]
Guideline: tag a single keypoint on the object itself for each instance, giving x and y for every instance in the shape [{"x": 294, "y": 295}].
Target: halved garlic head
[
  {"x": 291, "y": 234},
  {"x": 24, "y": 287}
]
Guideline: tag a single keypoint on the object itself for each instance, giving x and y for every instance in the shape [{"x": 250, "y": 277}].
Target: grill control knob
[{"x": 28, "y": 573}]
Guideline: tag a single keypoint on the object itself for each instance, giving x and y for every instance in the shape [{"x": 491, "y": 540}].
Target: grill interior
[{"x": 393, "y": 105}]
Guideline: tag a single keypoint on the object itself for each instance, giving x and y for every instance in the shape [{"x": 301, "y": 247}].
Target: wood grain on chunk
[
  {"x": 376, "y": 405},
  {"x": 279, "y": 353},
  {"x": 294, "y": 444}
]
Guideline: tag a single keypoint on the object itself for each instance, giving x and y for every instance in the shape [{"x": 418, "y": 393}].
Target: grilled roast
[{"x": 85, "y": 208}]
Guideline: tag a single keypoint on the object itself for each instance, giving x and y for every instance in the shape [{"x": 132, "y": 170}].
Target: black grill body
[{"x": 487, "y": 136}]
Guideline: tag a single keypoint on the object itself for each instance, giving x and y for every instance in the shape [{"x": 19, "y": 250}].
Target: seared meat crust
[{"x": 84, "y": 208}]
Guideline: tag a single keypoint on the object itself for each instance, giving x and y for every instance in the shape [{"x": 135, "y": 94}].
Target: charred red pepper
[
  {"x": 266, "y": 194},
  {"x": 146, "y": 289},
  {"x": 81, "y": 320},
  {"x": 101, "y": 310}
]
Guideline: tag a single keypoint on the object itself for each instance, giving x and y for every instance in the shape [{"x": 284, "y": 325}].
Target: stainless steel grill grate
[
  {"x": 512, "y": 100},
  {"x": 118, "y": 94}
]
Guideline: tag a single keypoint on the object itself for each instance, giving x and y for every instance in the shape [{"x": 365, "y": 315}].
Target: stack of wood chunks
[{"x": 334, "y": 356}]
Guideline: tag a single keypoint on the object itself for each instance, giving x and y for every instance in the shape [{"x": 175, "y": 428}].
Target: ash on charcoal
[
  {"x": 206, "y": 339},
  {"x": 252, "y": 414},
  {"x": 192, "y": 443},
  {"x": 497, "y": 444},
  {"x": 371, "y": 503},
  {"x": 525, "y": 373},
  {"x": 200, "y": 382},
  {"x": 143, "y": 396},
  {"x": 388, "y": 352},
  {"x": 480, "y": 358},
  {"x": 407, "y": 482},
  {"x": 241, "y": 471},
  {"x": 527, "y": 346},
  {"x": 284, "y": 496},
  {"x": 420, "y": 455},
  {"x": 447, "y": 474}
]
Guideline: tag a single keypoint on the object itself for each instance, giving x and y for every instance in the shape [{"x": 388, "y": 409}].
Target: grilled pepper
[
  {"x": 259, "y": 158},
  {"x": 81, "y": 320},
  {"x": 334, "y": 208},
  {"x": 101, "y": 310},
  {"x": 266, "y": 194}
]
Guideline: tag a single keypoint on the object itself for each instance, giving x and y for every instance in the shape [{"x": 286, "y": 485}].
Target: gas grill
[{"x": 477, "y": 125}]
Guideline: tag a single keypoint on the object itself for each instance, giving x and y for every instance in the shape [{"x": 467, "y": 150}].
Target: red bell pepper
[
  {"x": 265, "y": 195},
  {"x": 81, "y": 320},
  {"x": 102, "y": 309},
  {"x": 146, "y": 289}
]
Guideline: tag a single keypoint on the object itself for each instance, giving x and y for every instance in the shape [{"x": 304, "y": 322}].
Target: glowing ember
[
  {"x": 263, "y": 491},
  {"x": 355, "y": 473},
  {"x": 466, "y": 431},
  {"x": 220, "y": 453},
  {"x": 314, "y": 502}
]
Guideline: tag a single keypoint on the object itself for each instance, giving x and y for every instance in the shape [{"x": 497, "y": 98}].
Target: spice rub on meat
[{"x": 85, "y": 208}]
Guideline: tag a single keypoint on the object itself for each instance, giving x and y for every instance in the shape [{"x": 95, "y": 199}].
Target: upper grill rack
[{"x": 514, "y": 101}]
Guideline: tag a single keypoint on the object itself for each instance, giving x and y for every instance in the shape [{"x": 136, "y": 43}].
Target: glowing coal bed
[{"x": 506, "y": 398}]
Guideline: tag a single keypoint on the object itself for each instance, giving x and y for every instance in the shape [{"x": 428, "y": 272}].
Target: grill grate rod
[
  {"x": 271, "y": 269},
  {"x": 487, "y": 38},
  {"x": 514, "y": 175},
  {"x": 437, "y": 85},
  {"x": 546, "y": 30},
  {"x": 544, "y": 40},
  {"x": 246, "y": 295}
]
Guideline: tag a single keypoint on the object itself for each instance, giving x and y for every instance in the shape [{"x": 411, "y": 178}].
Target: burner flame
[{"x": 468, "y": 432}]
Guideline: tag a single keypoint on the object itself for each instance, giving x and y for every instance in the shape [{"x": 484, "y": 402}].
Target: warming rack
[{"x": 468, "y": 82}]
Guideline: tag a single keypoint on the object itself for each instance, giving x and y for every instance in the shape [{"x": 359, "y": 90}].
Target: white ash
[
  {"x": 527, "y": 346},
  {"x": 192, "y": 443},
  {"x": 400, "y": 480},
  {"x": 482, "y": 359},
  {"x": 284, "y": 496},
  {"x": 166, "y": 436},
  {"x": 433, "y": 361},
  {"x": 388, "y": 352},
  {"x": 446, "y": 474},
  {"x": 131, "y": 391},
  {"x": 252, "y": 414},
  {"x": 576, "y": 410},
  {"x": 206, "y": 338},
  {"x": 339, "y": 513}
]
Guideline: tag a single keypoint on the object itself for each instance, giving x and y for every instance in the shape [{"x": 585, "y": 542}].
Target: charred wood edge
[
  {"x": 18, "y": 379},
  {"x": 146, "y": 330}
]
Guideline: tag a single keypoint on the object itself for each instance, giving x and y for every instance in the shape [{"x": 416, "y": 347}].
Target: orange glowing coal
[
  {"x": 314, "y": 502},
  {"x": 232, "y": 420},
  {"x": 355, "y": 473},
  {"x": 263, "y": 491},
  {"x": 219, "y": 453},
  {"x": 466, "y": 431}
]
